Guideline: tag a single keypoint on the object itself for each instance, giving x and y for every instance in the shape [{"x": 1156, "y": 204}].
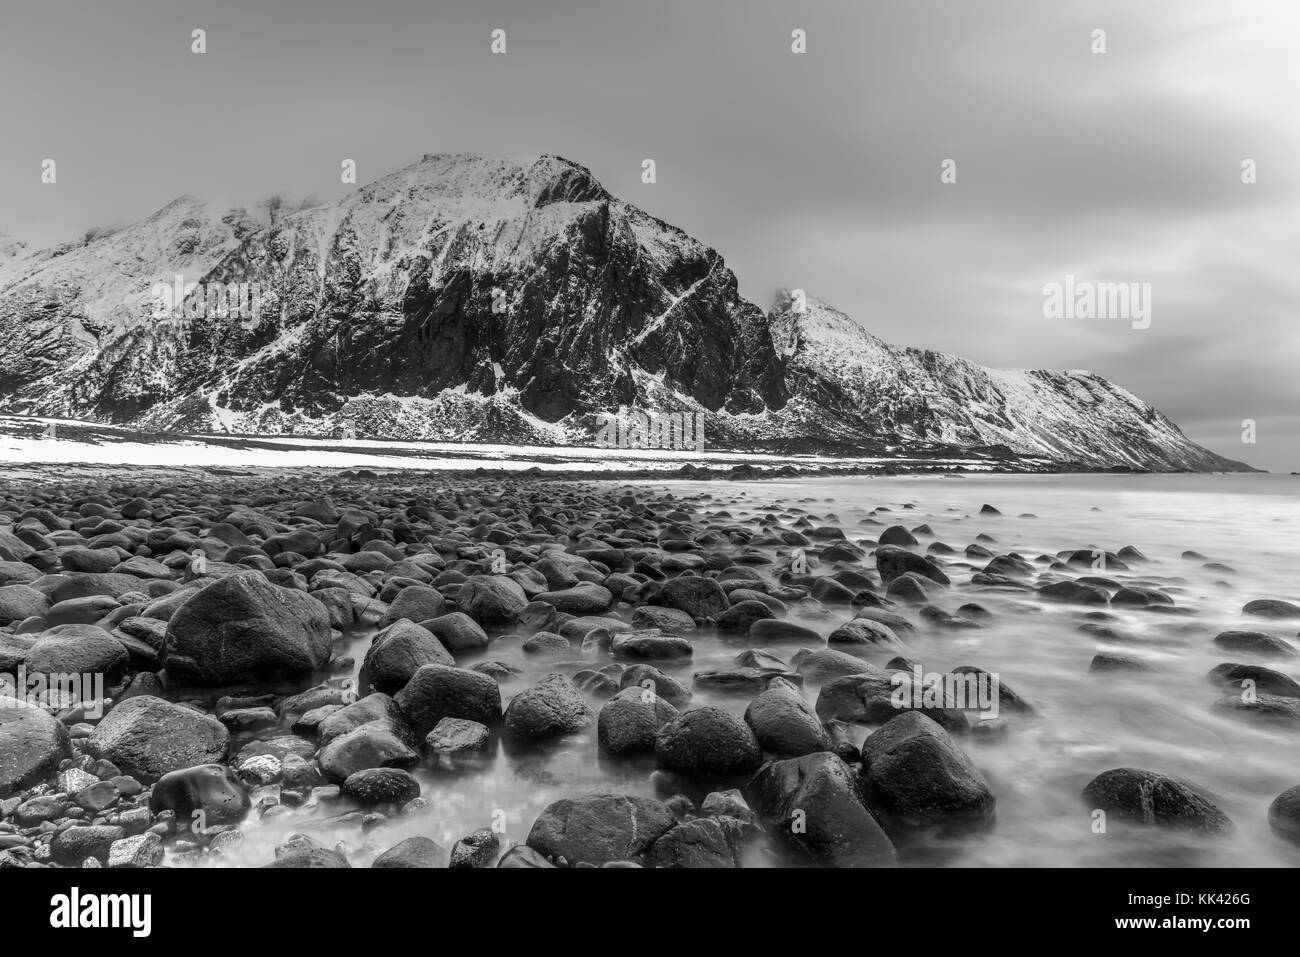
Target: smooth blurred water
[{"x": 1086, "y": 723}]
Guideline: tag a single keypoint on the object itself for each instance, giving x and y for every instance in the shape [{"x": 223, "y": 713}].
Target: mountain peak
[{"x": 538, "y": 179}]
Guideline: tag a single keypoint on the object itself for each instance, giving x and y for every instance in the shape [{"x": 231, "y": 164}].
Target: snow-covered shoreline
[{"x": 26, "y": 441}]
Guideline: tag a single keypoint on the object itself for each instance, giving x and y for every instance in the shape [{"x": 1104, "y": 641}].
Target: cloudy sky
[{"x": 819, "y": 171}]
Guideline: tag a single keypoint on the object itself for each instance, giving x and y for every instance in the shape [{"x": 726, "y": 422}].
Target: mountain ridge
[{"x": 472, "y": 298}]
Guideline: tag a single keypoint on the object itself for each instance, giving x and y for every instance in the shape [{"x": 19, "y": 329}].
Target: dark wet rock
[
  {"x": 547, "y": 643},
  {"x": 552, "y": 707},
  {"x": 898, "y": 535},
  {"x": 1284, "y": 815},
  {"x": 842, "y": 552},
  {"x": 73, "y": 845},
  {"x": 593, "y": 629},
  {"x": 536, "y": 616},
  {"x": 372, "y": 786},
  {"x": 784, "y": 724},
  {"x": 81, "y": 611},
  {"x": 758, "y": 658},
  {"x": 917, "y": 776},
  {"x": 814, "y": 806},
  {"x": 585, "y": 598},
  {"x": 297, "y": 773},
  {"x": 243, "y": 628},
  {"x": 437, "y": 691},
  {"x": 17, "y": 573},
  {"x": 522, "y": 856},
  {"x": 600, "y": 827},
  {"x": 773, "y": 630},
  {"x": 454, "y": 737},
  {"x": 1271, "y": 608},
  {"x": 596, "y": 684},
  {"x": 372, "y": 745},
  {"x": 32, "y": 744},
  {"x": 78, "y": 649},
  {"x": 415, "y": 603},
  {"x": 707, "y": 741},
  {"x": 1008, "y": 566},
  {"x": 877, "y": 697},
  {"x": 1106, "y": 632},
  {"x": 21, "y": 601},
  {"x": 674, "y": 621},
  {"x": 457, "y": 632},
  {"x": 699, "y": 597},
  {"x": 830, "y": 592},
  {"x": 300, "y": 851},
  {"x": 729, "y": 803},
  {"x": 1261, "y": 706},
  {"x": 1075, "y": 593},
  {"x": 79, "y": 559},
  {"x": 826, "y": 663},
  {"x": 371, "y": 708},
  {"x": 629, "y": 721},
  {"x": 979, "y": 683},
  {"x": 741, "y": 615},
  {"x": 248, "y": 720},
  {"x": 745, "y": 681},
  {"x": 648, "y": 677},
  {"x": 1140, "y": 597},
  {"x": 1255, "y": 643},
  {"x": 937, "y": 617},
  {"x": 1266, "y": 680},
  {"x": 912, "y": 589},
  {"x": 148, "y": 737},
  {"x": 702, "y": 842},
  {"x": 491, "y": 599},
  {"x": 650, "y": 646},
  {"x": 891, "y": 562},
  {"x": 896, "y": 623},
  {"x": 479, "y": 849},
  {"x": 414, "y": 852},
  {"x": 203, "y": 796},
  {"x": 14, "y": 649},
  {"x": 1095, "y": 559},
  {"x": 494, "y": 668},
  {"x": 46, "y": 807},
  {"x": 396, "y": 653},
  {"x": 1105, "y": 661},
  {"x": 81, "y": 585},
  {"x": 1148, "y": 797}
]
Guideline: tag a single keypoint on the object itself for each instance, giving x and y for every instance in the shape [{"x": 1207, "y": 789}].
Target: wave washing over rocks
[{"x": 333, "y": 672}]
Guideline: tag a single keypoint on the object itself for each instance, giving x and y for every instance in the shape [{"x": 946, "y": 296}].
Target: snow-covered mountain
[
  {"x": 839, "y": 374},
  {"x": 469, "y": 298}
]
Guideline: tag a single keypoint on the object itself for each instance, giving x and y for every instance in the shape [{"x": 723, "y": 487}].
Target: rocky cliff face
[{"x": 505, "y": 300}]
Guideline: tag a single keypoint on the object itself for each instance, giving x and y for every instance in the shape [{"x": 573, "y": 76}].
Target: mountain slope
[
  {"x": 841, "y": 374},
  {"x": 391, "y": 292},
  {"x": 470, "y": 298}
]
